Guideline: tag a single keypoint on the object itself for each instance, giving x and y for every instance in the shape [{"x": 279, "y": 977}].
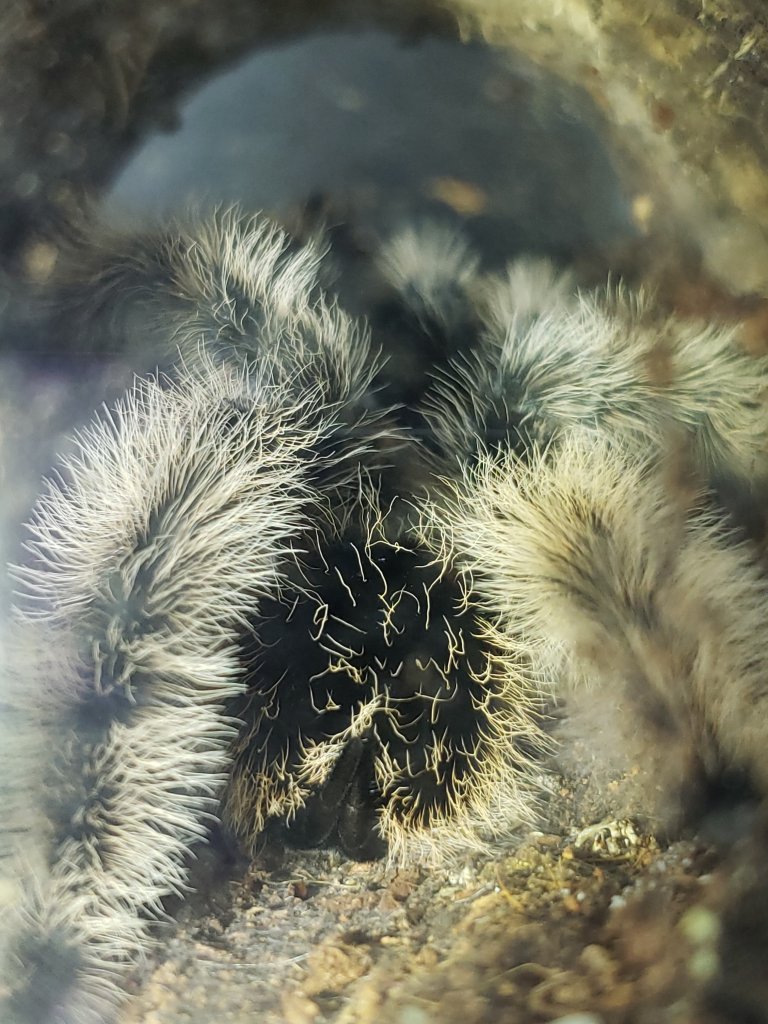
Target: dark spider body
[{"x": 376, "y": 643}]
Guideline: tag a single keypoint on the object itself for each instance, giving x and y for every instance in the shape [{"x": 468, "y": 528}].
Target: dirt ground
[{"x": 574, "y": 928}]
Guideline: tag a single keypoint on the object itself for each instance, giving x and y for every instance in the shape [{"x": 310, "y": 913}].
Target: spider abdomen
[{"x": 373, "y": 692}]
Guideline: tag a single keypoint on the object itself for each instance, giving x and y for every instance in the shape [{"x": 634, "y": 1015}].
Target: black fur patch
[{"x": 364, "y": 622}]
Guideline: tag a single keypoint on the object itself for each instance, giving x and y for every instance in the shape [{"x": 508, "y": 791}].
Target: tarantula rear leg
[
  {"x": 425, "y": 313},
  {"x": 644, "y": 613}
]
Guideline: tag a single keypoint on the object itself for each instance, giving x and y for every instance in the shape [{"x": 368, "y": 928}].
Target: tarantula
[{"x": 288, "y": 582}]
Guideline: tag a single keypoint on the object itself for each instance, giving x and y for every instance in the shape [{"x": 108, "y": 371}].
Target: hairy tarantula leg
[
  {"x": 232, "y": 284},
  {"x": 149, "y": 553},
  {"x": 600, "y": 574},
  {"x": 426, "y": 314},
  {"x": 551, "y": 359},
  {"x": 481, "y": 400},
  {"x": 432, "y": 270},
  {"x": 235, "y": 288},
  {"x": 219, "y": 272}
]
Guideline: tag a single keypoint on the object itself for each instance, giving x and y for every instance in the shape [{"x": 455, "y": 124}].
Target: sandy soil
[{"x": 569, "y": 928}]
